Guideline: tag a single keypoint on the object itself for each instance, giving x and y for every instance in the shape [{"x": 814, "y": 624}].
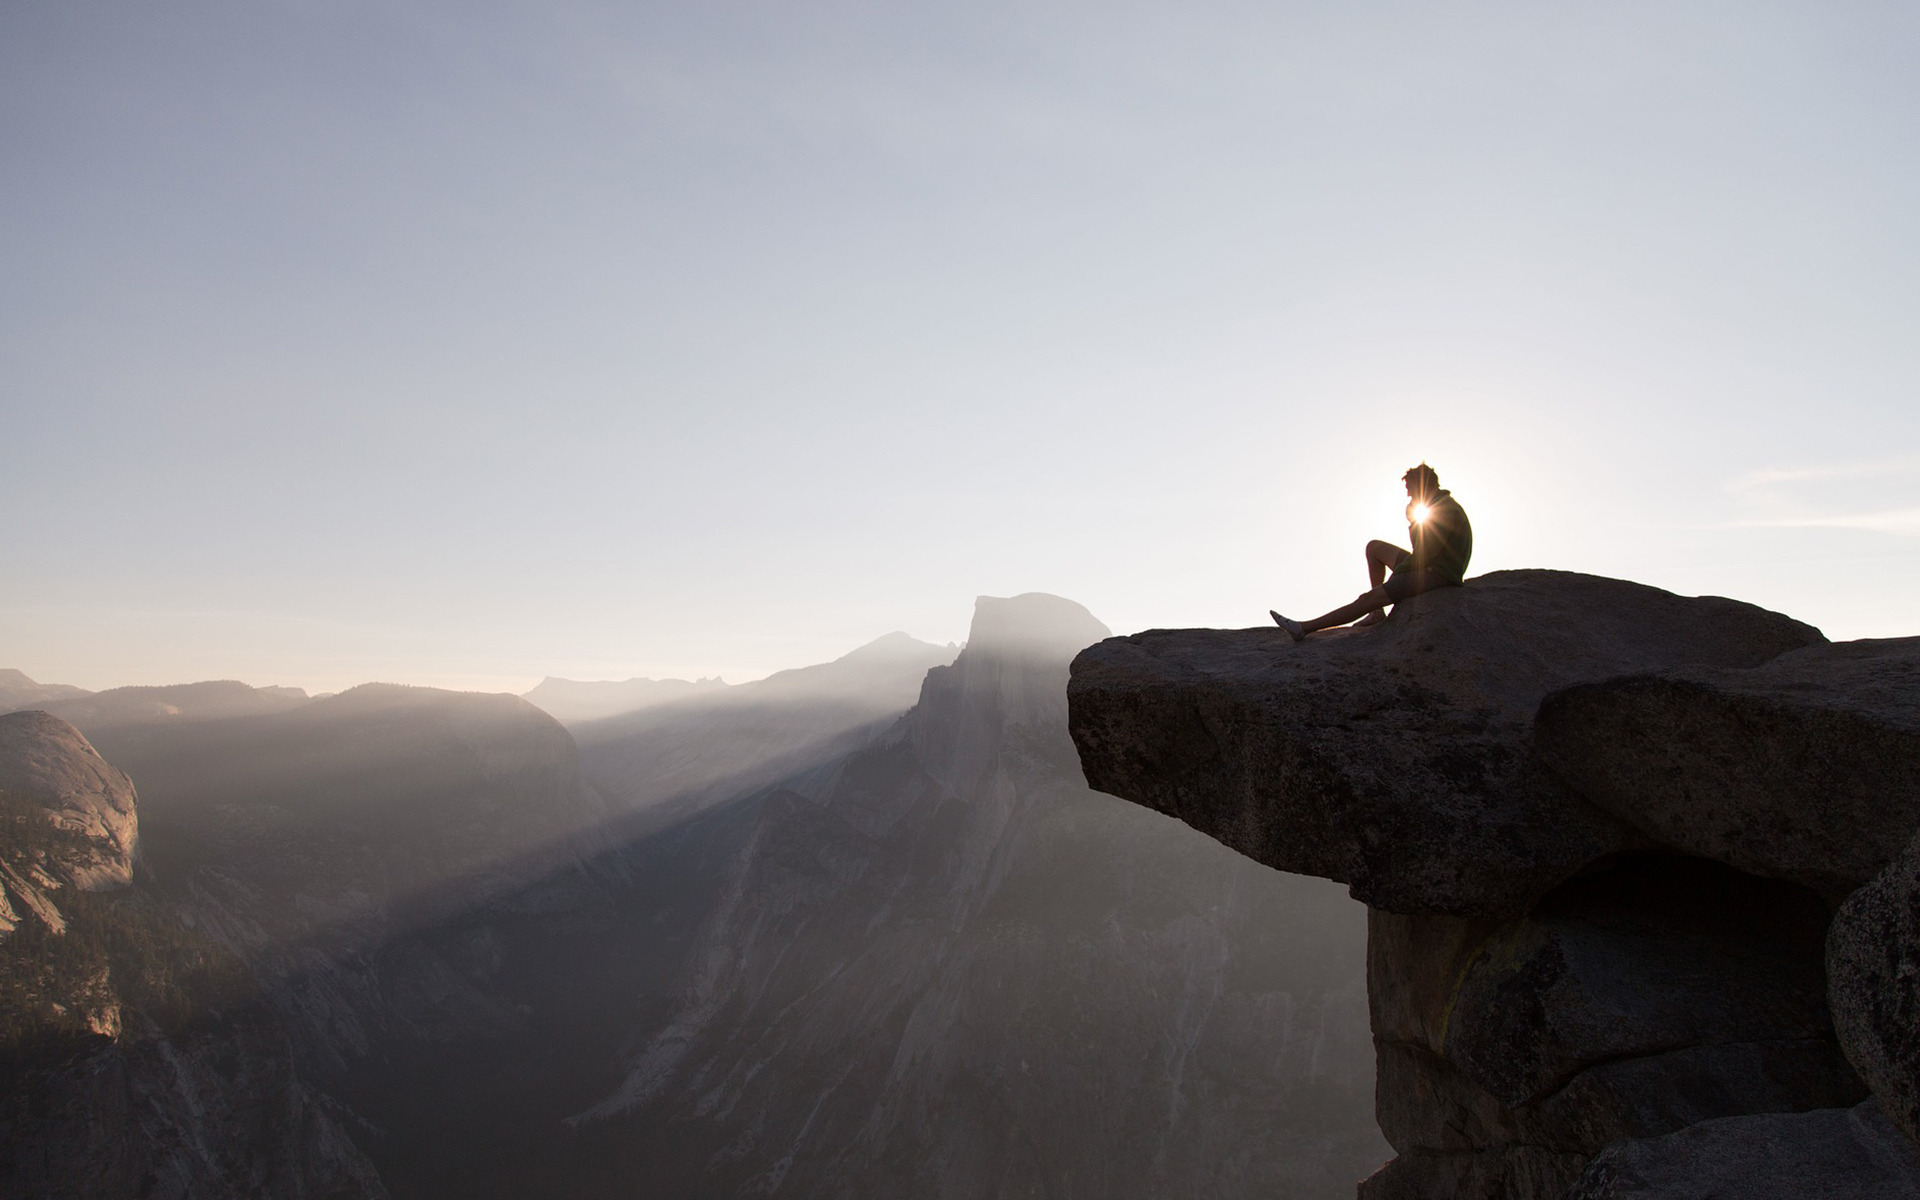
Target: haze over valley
[{"x": 857, "y": 929}]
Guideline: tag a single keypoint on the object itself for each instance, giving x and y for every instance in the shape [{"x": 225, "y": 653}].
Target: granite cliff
[{"x": 1602, "y": 831}]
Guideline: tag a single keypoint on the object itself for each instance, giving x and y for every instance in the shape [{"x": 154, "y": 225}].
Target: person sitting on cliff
[{"x": 1442, "y": 544}]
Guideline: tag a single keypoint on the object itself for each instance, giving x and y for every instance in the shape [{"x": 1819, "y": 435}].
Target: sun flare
[{"x": 1419, "y": 513}]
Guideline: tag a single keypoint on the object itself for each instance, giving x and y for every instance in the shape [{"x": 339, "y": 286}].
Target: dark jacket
[{"x": 1444, "y": 541}]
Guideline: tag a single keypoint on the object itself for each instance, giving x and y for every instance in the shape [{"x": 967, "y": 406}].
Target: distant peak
[{"x": 1033, "y": 621}]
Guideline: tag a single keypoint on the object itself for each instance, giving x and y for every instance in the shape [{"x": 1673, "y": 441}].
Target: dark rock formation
[
  {"x": 1632, "y": 1001},
  {"x": 1834, "y": 1154},
  {"x": 1873, "y": 967},
  {"x": 1801, "y": 769},
  {"x": 1398, "y": 760},
  {"x": 1600, "y": 827}
]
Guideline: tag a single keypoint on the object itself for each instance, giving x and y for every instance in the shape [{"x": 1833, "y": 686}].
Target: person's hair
[{"x": 1425, "y": 479}]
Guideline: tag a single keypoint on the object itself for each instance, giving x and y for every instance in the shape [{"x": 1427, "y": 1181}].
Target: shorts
[{"x": 1406, "y": 582}]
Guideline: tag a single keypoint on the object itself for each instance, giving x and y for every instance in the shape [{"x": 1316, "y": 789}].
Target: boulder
[
  {"x": 1873, "y": 979},
  {"x": 1508, "y": 1172},
  {"x": 48, "y": 766},
  {"x": 1631, "y": 1002},
  {"x": 1633, "y": 962},
  {"x": 1398, "y": 759},
  {"x": 1834, "y": 1153},
  {"x": 1802, "y": 768}
]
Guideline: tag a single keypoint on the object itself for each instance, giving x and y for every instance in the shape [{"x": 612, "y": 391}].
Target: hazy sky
[{"x": 465, "y": 344}]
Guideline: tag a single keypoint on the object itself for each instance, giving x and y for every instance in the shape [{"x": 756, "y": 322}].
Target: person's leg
[
  {"x": 1381, "y": 557},
  {"x": 1403, "y": 586},
  {"x": 1374, "y": 600},
  {"x": 1368, "y": 602}
]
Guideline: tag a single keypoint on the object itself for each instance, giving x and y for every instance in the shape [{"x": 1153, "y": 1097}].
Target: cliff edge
[{"x": 1602, "y": 831}]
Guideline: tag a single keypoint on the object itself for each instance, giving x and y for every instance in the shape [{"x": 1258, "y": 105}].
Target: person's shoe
[{"x": 1292, "y": 627}]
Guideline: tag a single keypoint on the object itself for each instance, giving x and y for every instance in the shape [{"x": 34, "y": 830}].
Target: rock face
[
  {"x": 1836, "y": 1154},
  {"x": 1398, "y": 760},
  {"x": 1873, "y": 966},
  {"x": 1601, "y": 829},
  {"x": 1800, "y": 769},
  {"x": 1630, "y": 1002},
  {"x": 47, "y": 763}
]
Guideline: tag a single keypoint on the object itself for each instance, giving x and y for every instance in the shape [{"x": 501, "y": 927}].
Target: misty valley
[{"x": 859, "y": 929}]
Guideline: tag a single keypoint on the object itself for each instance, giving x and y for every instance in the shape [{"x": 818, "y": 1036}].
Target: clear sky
[{"x": 469, "y": 343}]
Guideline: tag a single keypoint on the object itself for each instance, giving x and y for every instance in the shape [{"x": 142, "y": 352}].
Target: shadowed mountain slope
[{"x": 947, "y": 968}]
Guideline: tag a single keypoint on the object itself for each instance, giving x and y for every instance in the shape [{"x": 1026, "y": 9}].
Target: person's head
[{"x": 1422, "y": 482}]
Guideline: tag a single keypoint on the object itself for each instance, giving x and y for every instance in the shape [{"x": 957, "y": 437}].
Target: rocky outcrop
[
  {"x": 48, "y": 765},
  {"x": 1630, "y": 1002},
  {"x": 1800, "y": 769},
  {"x": 1397, "y": 760},
  {"x": 1835, "y": 1154},
  {"x": 1873, "y": 968},
  {"x": 1601, "y": 828}
]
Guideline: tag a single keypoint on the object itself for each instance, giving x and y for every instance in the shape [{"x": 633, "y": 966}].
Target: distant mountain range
[
  {"x": 571, "y": 702},
  {"x": 669, "y": 761},
  {"x": 855, "y": 930},
  {"x": 18, "y": 692}
]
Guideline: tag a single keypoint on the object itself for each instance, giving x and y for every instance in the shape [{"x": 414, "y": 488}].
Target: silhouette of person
[{"x": 1442, "y": 544}]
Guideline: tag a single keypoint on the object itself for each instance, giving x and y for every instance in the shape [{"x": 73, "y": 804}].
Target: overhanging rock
[
  {"x": 1801, "y": 769},
  {"x": 1399, "y": 760}
]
